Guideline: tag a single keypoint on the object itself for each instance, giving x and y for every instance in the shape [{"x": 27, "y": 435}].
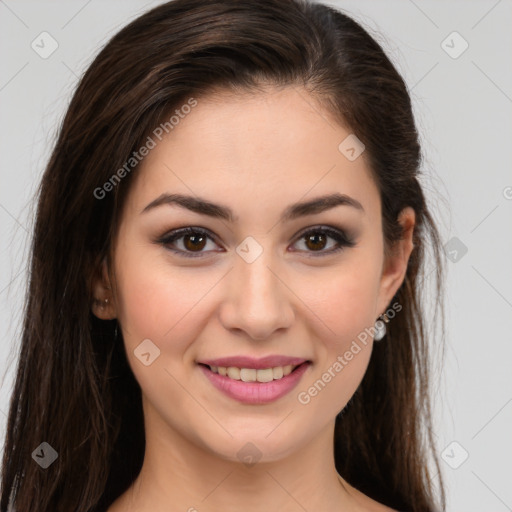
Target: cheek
[
  {"x": 343, "y": 301},
  {"x": 159, "y": 302},
  {"x": 146, "y": 305},
  {"x": 343, "y": 307}
]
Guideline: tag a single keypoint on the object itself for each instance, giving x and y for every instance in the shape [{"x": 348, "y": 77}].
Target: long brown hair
[{"x": 73, "y": 388}]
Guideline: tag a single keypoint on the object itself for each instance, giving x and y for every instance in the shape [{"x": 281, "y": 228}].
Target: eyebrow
[{"x": 204, "y": 207}]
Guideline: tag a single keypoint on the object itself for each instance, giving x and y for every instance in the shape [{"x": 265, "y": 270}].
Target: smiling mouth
[
  {"x": 261, "y": 375},
  {"x": 255, "y": 386}
]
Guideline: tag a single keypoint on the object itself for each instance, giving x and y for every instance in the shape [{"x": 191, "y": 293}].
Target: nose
[{"x": 257, "y": 299}]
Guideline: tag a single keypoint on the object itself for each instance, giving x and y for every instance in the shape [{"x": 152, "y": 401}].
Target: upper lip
[{"x": 256, "y": 363}]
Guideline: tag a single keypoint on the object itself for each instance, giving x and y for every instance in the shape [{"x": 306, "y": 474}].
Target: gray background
[{"x": 463, "y": 106}]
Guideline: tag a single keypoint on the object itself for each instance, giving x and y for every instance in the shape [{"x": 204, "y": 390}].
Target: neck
[{"x": 179, "y": 474}]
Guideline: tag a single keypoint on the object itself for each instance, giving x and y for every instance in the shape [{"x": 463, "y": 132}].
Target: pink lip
[
  {"x": 255, "y": 393},
  {"x": 252, "y": 362}
]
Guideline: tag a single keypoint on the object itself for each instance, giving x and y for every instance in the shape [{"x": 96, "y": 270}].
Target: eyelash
[{"x": 339, "y": 236}]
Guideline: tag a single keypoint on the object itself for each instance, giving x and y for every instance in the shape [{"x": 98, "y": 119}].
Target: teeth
[{"x": 253, "y": 375}]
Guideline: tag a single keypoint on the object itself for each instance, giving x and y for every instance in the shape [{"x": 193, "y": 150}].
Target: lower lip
[{"x": 256, "y": 393}]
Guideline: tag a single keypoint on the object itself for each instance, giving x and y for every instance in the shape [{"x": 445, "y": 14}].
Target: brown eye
[
  {"x": 192, "y": 241},
  {"x": 316, "y": 240}
]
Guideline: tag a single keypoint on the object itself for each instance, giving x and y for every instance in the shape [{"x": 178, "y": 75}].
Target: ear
[
  {"x": 103, "y": 305},
  {"x": 395, "y": 265}
]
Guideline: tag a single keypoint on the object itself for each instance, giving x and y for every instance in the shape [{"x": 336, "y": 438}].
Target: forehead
[{"x": 271, "y": 147}]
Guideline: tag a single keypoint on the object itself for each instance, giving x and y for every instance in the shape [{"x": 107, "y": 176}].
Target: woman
[{"x": 224, "y": 310}]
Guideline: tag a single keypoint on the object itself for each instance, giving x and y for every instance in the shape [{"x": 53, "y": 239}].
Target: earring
[
  {"x": 101, "y": 303},
  {"x": 380, "y": 327}
]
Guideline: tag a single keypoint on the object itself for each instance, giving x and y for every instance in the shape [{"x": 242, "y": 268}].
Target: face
[{"x": 273, "y": 280}]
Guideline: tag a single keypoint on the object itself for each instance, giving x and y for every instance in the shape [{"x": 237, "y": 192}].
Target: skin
[{"x": 256, "y": 154}]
